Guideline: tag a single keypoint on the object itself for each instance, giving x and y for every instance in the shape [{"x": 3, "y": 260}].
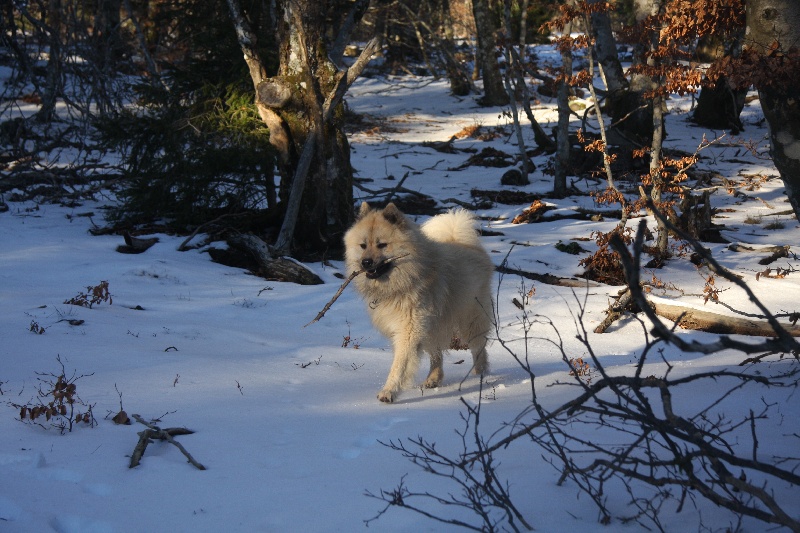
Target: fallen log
[
  {"x": 776, "y": 252},
  {"x": 549, "y": 279},
  {"x": 738, "y": 247},
  {"x": 696, "y": 319},
  {"x": 623, "y": 303},
  {"x": 135, "y": 245},
  {"x": 274, "y": 268}
]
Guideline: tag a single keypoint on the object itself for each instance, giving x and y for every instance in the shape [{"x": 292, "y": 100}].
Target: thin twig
[{"x": 335, "y": 297}]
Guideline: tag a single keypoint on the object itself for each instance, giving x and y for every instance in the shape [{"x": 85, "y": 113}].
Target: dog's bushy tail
[{"x": 457, "y": 225}]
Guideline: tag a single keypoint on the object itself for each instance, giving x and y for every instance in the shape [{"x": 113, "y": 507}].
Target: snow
[{"x": 285, "y": 417}]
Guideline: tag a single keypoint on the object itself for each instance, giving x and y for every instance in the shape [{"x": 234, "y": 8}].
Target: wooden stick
[
  {"x": 342, "y": 287},
  {"x": 335, "y": 297}
]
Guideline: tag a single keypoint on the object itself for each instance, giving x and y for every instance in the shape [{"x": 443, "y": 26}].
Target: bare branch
[{"x": 155, "y": 432}]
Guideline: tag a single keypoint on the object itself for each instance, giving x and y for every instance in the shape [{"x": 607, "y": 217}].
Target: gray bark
[
  {"x": 605, "y": 48},
  {"x": 768, "y": 22},
  {"x": 299, "y": 106},
  {"x": 562, "y": 138},
  {"x": 631, "y": 114},
  {"x": 657, "y": 139},
  {"x": 719, "y": 105}
]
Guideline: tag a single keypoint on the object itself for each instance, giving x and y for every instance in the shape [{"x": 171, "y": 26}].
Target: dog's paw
[
  {"x": 386, "y": 396},
  {"x": 432, "y": 383}
]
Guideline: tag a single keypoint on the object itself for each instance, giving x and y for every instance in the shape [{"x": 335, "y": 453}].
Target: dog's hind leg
[
  {"x": 477, "y": 344},
  {"x": 436, "y": 375},
  {"x": 480, "y": 360}
]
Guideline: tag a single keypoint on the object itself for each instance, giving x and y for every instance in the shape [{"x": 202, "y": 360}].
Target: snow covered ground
[{"x": 285, "y": 418}]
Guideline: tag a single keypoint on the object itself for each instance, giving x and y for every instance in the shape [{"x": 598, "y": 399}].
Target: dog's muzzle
[{"x": 375, "y": 271}]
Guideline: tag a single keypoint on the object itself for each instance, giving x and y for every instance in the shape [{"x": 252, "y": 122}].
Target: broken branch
[{"x": 155, "y": 432}]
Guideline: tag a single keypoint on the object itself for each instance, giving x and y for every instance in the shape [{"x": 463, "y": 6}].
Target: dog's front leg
[{"x": 404, "y": 366}]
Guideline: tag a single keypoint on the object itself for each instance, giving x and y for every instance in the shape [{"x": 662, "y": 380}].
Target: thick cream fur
[{"x": 439, "y": 289}]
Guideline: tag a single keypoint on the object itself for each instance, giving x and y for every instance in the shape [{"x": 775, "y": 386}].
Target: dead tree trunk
[{"x": 275, "y": 268}]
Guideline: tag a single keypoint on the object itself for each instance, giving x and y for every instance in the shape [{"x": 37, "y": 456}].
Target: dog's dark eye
[
  {"x": 363, "y": 246},
  {"x": 382, "y": 245}
]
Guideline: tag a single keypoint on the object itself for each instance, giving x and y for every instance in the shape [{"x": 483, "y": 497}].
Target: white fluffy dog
[{"x": 423, "y": 286}]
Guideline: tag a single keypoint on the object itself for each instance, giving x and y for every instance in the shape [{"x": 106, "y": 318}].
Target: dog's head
[{"x": 376, "y": 239}]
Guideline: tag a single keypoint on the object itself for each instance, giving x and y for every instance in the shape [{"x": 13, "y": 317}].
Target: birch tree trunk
[
  {"x": 54, "y": 82},
  {"x": 657, "y": 128}
]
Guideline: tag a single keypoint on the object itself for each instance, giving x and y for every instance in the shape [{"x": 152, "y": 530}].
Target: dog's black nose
[{"x": 367, "y": 263}]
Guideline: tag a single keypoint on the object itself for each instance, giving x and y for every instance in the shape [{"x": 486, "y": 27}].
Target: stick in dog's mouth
[
  {"x": 384, "y": 264},
  {"x": 382, "y": 268}
]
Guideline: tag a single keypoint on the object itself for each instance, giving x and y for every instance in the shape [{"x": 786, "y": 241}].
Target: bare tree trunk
[
  {"x": 514, "y": 72},
  {"x": 631, "y": 113},
  {"x": 564, "y": 112},
  {"x": 657, "y": 140},
  {"x": 719, "y": 105},
  {"x": 605, "y": 48},
  {"x": 298, "y": 105},
  {"x": 355, "y": 14},
  {"x": 54, "y": 83},
  {"x": 523, "y": 28},
  {"x": 10, "y": 37},
  {"x": 494, "y": 93},
  {"x": 106, "y": 31},
  {"x": 770, "y": 22},
  {"x": 460, "y": 83}
]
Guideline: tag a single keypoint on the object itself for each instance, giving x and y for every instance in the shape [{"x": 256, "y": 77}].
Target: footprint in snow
[{"x": 365, "y": 441}]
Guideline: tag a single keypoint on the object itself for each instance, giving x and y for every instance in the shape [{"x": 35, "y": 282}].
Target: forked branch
[{"x": 155, "y": 432}]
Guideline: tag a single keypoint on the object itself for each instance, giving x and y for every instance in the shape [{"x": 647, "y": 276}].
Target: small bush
[
  {"x": 57, "y": 402},
  {"x": 93, "y": 295},
  {"x": 604, "y": 265}
]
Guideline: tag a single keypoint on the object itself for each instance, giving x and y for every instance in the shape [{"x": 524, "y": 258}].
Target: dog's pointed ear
[
  {"x": 393, "y": 215},
  {"x": 363, "y": 210}
]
